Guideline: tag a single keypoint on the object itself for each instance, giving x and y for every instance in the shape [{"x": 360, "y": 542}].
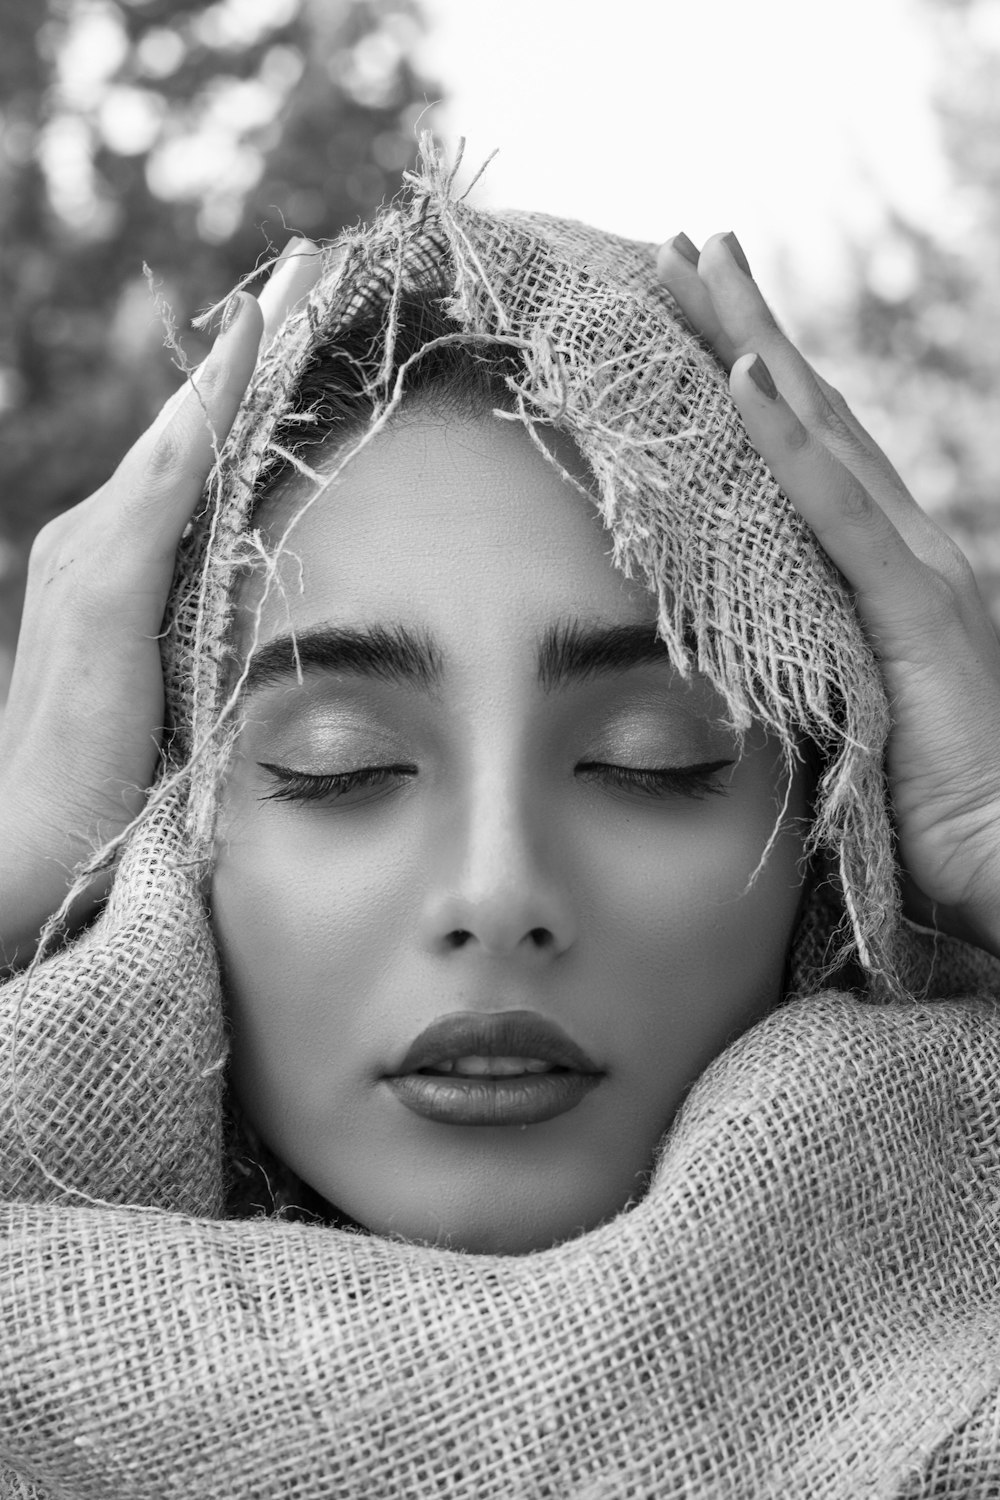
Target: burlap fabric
[{"x": 807, "y": 1300}]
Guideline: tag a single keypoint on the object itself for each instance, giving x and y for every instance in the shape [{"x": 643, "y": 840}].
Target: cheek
[
  {"x": 688, "y": 885},
  {"x": 305, "y": 921},
  {"x": 700, "y": 947}
]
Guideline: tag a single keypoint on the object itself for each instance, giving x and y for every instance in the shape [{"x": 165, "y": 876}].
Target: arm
[{"x": 85, "y": 1113}]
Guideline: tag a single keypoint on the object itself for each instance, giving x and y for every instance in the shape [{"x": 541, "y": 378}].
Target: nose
[{"x": 496, "y": 882}]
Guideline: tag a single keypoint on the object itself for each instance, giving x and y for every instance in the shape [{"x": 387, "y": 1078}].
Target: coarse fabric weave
[{"x": 805, "y": 1303}]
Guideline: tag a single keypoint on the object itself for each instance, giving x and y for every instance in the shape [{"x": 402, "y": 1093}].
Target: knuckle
[
  {"x": 176, "y": 452},
  {"x": 938, "y": 595},
  {"x": 833, "y": 417},
  {"x": 55, "y": 546},
  {"x": 206, "y": 381},
  {"x": 165, "y": 460},
  {"x": 66, "y": 567},
  {"x": 824, "y": 411},
  {"x": 951, "y": 562},
  {"x": 82, "y": 551},
  {"x": 47, "y": 541},
  {"x": 833, "y": 397},
  {"x": 797, "y": 436},
  {"x": 856, "y": 502}
]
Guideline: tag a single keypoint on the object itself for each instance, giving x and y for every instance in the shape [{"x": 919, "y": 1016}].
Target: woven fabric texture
[
  {"x": 805, "y": 1302},
  {"x": 745, "y": 594}
]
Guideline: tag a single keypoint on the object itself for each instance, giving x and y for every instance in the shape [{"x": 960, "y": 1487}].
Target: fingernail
[
  {"x": 763, "y": 379},
  {"x": 234, "y": 308},
  {"x": 735, "y": 249},
  {"x": 686, "y": 247}
]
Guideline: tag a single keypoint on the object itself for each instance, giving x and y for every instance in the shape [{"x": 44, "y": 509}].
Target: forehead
[{"x": 460, "y": 526}]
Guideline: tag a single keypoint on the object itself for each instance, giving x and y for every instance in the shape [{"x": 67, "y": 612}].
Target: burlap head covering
[
  {"x": 805, "y": 1302},
  {"x": 745, "y": 595}
]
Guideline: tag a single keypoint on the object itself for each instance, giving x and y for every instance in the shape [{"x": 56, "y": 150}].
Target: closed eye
[
  {"x": 696, "y": 781},
  {"x": 303, "y": 786}
]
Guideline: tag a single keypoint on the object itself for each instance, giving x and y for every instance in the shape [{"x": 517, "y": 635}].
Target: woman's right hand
[{"x": 80, "y": 734}]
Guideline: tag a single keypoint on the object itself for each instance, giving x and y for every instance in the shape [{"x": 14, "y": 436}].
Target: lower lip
[{"x": 527, "y": 1099}]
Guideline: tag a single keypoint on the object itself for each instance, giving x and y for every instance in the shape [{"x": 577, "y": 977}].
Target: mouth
[{"x": 512, "y": 1067}]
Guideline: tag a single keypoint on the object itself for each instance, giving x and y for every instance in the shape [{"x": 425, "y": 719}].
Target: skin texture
[
  {"x": 79, "y": 734},
  {"x": 624, "y": 916},
  {"x": 81, "y": 728},
  {"x": 915, "y": 592}
]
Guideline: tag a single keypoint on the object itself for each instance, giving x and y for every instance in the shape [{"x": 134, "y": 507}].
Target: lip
[{"x": 524, "y": 1099}]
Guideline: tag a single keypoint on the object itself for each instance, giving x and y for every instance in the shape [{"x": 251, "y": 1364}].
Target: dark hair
[{"x": 346, "y": 379}]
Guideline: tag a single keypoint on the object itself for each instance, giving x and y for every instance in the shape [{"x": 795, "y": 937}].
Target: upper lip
[{"x": 504, "y": 1033}]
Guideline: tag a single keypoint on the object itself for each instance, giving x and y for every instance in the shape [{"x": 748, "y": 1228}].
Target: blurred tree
[
  {"x": 917, "y": 348},
  {"x": 195, "y": 137}
]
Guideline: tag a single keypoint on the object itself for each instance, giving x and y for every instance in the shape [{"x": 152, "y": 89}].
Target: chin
[
  {"x": 486, "y": 1235},
  {"x": 516, "y": 1217}
]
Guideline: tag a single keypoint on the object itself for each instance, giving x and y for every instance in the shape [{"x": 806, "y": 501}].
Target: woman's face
[{"x": 492, "y": 809}]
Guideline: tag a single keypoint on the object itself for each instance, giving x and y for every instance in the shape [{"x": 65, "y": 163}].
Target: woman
[{"x": 494, "y": 874}]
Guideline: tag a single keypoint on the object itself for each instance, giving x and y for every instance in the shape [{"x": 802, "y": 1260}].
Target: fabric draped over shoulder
[{"x": 804, "y": 1303}]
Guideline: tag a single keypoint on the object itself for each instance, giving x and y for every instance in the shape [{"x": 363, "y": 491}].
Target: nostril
[{"x": 538, "y": 937}]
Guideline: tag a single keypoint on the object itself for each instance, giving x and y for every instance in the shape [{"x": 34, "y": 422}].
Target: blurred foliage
[
  {"x": 197, "y": 136},
  {"x": 194, "y": 137},
  {"x": 917, "y": 348}
]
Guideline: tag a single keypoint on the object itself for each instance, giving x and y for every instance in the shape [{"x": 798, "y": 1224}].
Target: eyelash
[
  {"x": 672, "y": 781},
  {"x": 668, "y": 781},
  {"x": 299, "y": 786}
]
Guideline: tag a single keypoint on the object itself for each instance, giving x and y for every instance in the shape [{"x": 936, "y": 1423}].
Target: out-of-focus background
[{"x": 854, "y": 147}]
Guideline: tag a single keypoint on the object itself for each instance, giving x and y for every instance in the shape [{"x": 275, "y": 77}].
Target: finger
[
  {"x": 292, "y": 277},
  {"x": 693, "y": 286},
  {"x": 295, "y": 273},
  {"x": 890, "y": 583},
  {"x": 677, "y": 269},
  {"x": 751, "y": 327},
  {"x": 720, "y": 300},
  {"x": 749, "y": 324},
  {"x": 160, "y": 480}
]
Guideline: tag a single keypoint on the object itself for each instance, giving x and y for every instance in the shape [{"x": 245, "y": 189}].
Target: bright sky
[{"x": 792, "y": 121}]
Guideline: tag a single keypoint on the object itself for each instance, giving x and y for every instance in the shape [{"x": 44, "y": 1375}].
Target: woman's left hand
[{"x": 914, "y": 591}]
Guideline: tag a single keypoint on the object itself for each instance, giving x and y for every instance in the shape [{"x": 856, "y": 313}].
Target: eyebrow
[
  {"x": 574, "y": 652},
  {"x": 568, "y": 653},
  {"x": 390, "y": 653}
]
